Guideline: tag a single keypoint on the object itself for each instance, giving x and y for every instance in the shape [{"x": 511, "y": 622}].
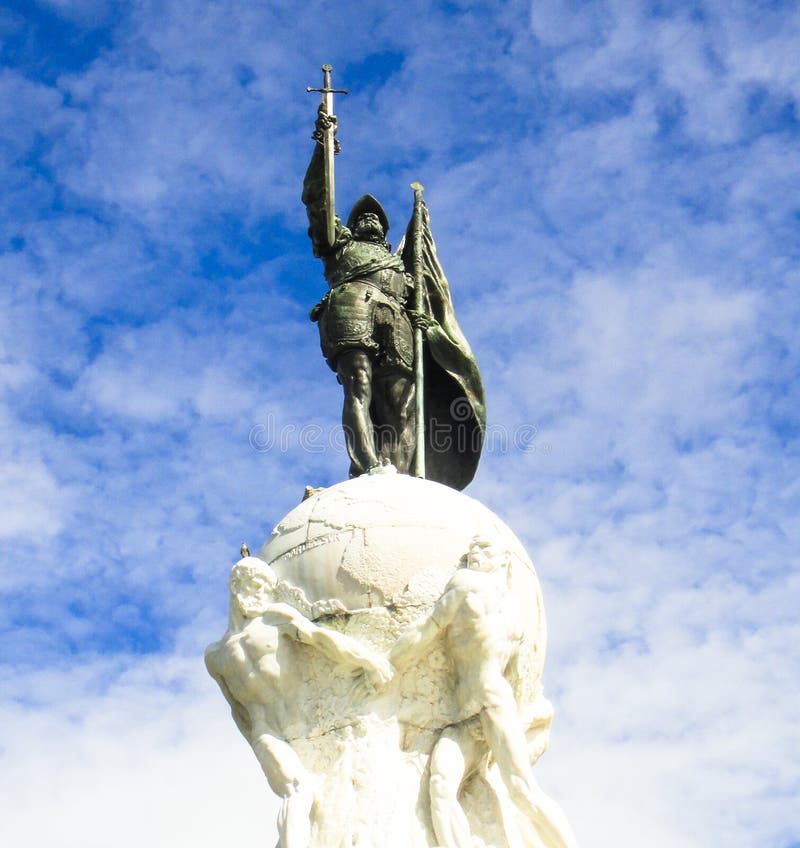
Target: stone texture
[{"x": 367, "y": 559}]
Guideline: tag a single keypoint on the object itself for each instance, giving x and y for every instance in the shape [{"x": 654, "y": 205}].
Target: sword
[{"x": 329, "y": 146}]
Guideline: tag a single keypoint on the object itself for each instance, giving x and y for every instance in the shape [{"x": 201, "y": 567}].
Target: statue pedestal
[{"x": 390, "y": 566}]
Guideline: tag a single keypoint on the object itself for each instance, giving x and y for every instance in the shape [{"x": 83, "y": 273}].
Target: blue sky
[{"x": 615, "y": 192}]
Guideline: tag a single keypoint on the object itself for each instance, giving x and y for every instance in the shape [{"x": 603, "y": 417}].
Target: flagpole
[{"x": 419, "y": 386}]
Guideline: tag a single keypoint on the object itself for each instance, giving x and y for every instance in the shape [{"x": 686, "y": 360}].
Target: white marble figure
[
  {"x": 246, "y": 666},
  {"x": 482, "y": 640}
]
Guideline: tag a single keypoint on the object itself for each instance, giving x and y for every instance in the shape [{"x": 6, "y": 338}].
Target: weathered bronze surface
[{"x": 394, "y": 399}]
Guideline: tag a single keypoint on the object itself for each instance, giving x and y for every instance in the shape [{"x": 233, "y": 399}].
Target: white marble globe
[{"x": 383, "y": 540}]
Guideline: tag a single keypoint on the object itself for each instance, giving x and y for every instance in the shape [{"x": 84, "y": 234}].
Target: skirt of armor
[{"x": 360, "y": 316}]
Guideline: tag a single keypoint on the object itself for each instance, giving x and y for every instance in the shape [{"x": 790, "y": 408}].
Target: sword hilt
[{"x": 326, "y": 89}]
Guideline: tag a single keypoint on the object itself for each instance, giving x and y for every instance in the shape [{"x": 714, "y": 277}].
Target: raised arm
[
  {"x": 339, "y": 648},
  {"x": 314, "y": 195},
  {"x": 415, "y": 641}
]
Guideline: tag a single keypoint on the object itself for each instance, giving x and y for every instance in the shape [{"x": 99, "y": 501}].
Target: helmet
[{"x": 367, "y": 203}]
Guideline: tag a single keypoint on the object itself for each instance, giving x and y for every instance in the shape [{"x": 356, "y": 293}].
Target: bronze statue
[{"x": 412, "y": 391}]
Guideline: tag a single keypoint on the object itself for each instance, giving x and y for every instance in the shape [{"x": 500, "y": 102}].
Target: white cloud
[
  {"x": 149, "y": 756},
  {"x": 30, "y": 500},
  {"x": 90, "y": 13},
  {"x": 710, "y": 60},
  {"x": 699, "y": 718},
  {"x": 558, "y": 23}
]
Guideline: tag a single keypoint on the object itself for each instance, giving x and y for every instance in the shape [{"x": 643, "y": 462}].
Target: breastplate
[{"x": 368, "y": 262}]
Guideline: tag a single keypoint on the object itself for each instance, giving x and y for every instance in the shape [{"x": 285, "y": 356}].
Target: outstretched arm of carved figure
[
  {"x": 281, "y": 613},
  {"x": 344, "y": 650},
  {"x": 414, "y": 642},
  {"x": 337, "y": 647}
]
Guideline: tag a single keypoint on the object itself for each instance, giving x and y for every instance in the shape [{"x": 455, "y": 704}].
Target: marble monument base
[{"x": 384, "y": 659}]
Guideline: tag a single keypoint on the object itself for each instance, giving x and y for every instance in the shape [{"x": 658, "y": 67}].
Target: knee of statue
[
  {"x": 403, "y": 418},
  {"x": 359, "y": 379},
  {"x": 355, "y": 372},
  {"x": 361, "y": 375}
]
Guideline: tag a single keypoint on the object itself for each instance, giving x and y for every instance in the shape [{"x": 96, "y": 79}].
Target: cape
[{"x": 455, "y": 404}]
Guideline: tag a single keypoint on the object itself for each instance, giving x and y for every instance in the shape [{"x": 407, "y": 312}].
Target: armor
[
  {"x": 366, "y": 309},
  {"x": 359, "y": 314},
  {"x": 366, "y": 304}
]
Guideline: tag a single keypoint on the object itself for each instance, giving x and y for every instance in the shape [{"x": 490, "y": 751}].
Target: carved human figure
[
  {"x": 482, "y": 639},
  {"x": 254, "y": 677}
]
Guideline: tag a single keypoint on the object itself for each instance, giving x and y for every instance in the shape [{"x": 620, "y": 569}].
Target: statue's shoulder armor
[
  {"x": 354, "y": 253},
  {"x": 358, "y": 259}
]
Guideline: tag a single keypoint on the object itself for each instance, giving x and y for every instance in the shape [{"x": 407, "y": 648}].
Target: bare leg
[
  {"x": 288, "y": 779},
  {"x": 453, "y": 757},
  {"x": 355, "y": 374},
  {"x": 394, "y": 403},
  {"x": 506, "y": 740}
]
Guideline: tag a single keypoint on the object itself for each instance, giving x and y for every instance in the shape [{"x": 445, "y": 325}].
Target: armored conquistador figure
[{"x": 403, "y": 397}]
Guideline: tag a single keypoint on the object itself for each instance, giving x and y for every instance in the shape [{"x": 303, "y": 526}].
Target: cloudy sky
[{"x": 614, "y": 187}]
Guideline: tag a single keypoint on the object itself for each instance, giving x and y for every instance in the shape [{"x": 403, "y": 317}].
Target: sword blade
[{"x": 330, "y": 190}]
